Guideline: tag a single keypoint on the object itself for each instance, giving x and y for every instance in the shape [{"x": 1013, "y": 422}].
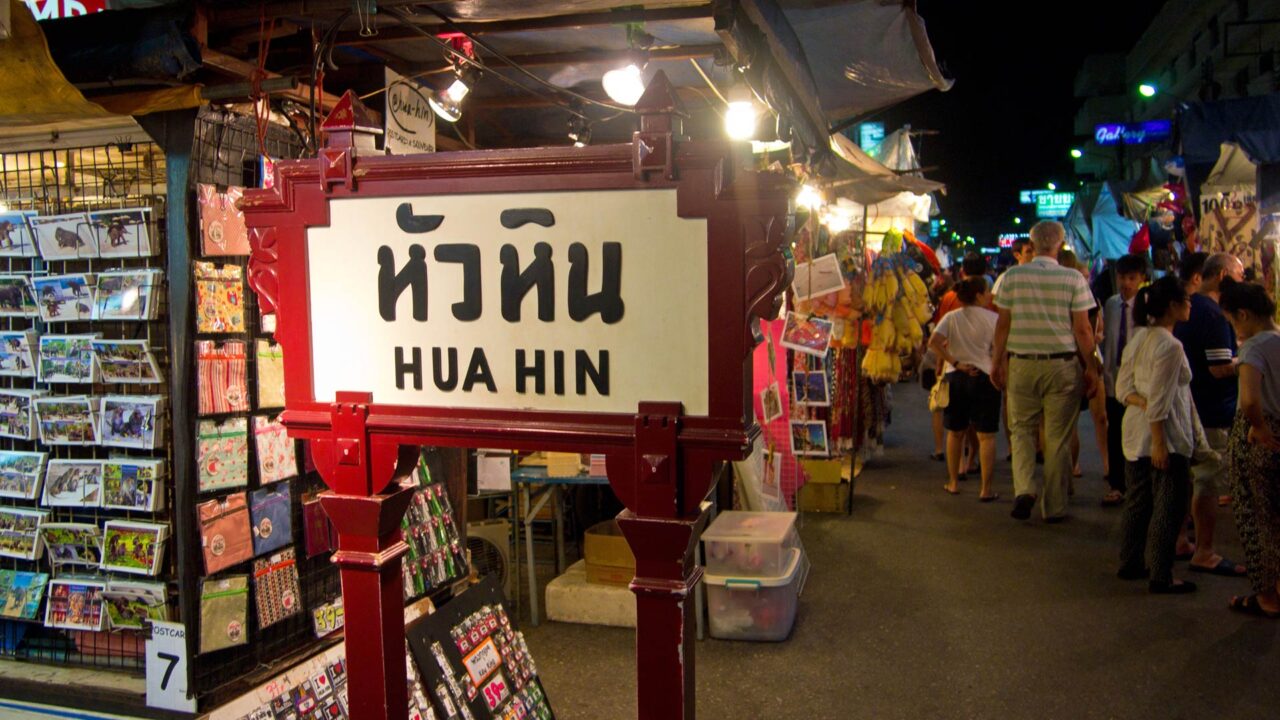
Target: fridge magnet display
[
  {"x": 122, "y": 233},
  {"x": 64, "y": 237},
  {"x": 17, "y": 415},
  {"x": 276, "y": 458},
  {"x": 133, "y": 547},
  {"x": 224, "y": 532},
  {"x": 811, "y": 335},
  {"x": 820, "y": 277},
  {"x": 127, "y": 295},
  {"x": 130, "y": 605},
  {"x": 275, "y": 587},
  {"x": 219, "y": 298},
  {"x": 16, "y": 356},
  {"x": 127, "y": 362},
  {"x": 67, "y": 420},
  {"x": 64, "y": 298},
  {"x": 73, "y": 483},
  {"x": 21, "y": 593},
  {"x": 269, "y": 365},
  {"x": 15, "y": 234},
  {"x": 16, "y": 298},
  {"x": 75, "y": 604},
  {"x": 67, "y": 359},
  {"x": 20, "y": 474},
  {"x": 72, "y": 543},
  {"x": 271, "y": 512},
  {"x": 221, "y": 372},
  {"x": 20, "y": 532},
  {"x": 224, "y": 612},
  {"x": 811, "y": 388},
  {"x": 222, "y": 454},
  {"x": 809, "y": 438},
  {"x": 222, "y": 228},
  {"x": 131, "y": 421},
  {"x": 771, "y": 403},
  {"x": 470, "y": 655},
  {"x": 133, "y": 484}
]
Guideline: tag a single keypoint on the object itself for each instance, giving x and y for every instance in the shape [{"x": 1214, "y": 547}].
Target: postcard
[
  {"x": 810, "y": 335},
  {"x": 127, "y": 295},
  {"x": 63, "y": 298},
  {"x": 809, "y": 438},
  {"x": 73, "y": 543},
  {"x": 73, "y": 483},
  {"x": 16, "y": 298},
  {"x": 21, "y": 594},
  {"x": 771, "y": 403},
  {"x": 126, "y": 362},
  {"x": 16, "y": 356},
  {"x": 133, "y": 547},
  {"x": 64, "y": 237},
  {"x": 20, "y": 474},
  {"x": 131, "y": 421},
  {"x": 67, "y": 420},
  {"x": 811, "y": 388},
  {"x": 67, "y": 359},
  {"x": 20, "y": 532},
  {"x": 132, "y": 604},
  {"x": 122, "y": 233},
  {"x": 74, "y": 604},
  {"x": 819, "y": 277},
  {"x": 17, "y": 416},
  {"x": 133, "y": 484},
  {"x": 15, "y": 234}
]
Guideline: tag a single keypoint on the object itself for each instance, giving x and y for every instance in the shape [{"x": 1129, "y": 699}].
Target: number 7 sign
[{"x": 167, "y": 668}]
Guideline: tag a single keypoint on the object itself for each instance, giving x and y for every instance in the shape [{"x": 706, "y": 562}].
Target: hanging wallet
[
  {"x": 219, "y": 298},
  {"x": 221, "y": 372},
  {"x": 317, "y": 531},
  {"x": 276, "y": 458},
  {"x": 275, "y": 585},
  {"x": 222, "y": 226},
  {"x": 269, "y": 365},
  {"x": 224, "y": 610},
  {"x": 224, "y": 532},
  {"x": 222, "y": 450},
  {"x": 270, "y": 509}
]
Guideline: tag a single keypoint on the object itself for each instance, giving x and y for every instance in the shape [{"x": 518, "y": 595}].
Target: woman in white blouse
[{"x": 1159, "y": 437}]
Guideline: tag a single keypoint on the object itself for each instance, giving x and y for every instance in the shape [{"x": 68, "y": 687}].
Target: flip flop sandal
[
  {"x": 1249, "y": 605},
  {"x": 950, "y": 491},
  {"x": 990, "y": 498},
  {"x": 1225, "y": 568}
]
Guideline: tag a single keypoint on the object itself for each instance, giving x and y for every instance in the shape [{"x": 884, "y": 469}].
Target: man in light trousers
[{"x": 1043, "y": 355}]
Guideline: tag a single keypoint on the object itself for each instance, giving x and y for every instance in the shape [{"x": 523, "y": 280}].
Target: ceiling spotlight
[
  {"x": 624, "y": 85},
  {"x": 740, "y": 119},
  {"x": 448, "y": 104},
  {"x": 579, "y": 131}
]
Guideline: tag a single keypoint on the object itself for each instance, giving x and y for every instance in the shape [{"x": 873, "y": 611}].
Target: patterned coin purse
[
  {"x": 277, "y": 459},
  {"x": 223, "y": 454},
  {"x": 221, "y": 377},
  {"x": 275, "y": 585},
  {"x": 271, "y": 512},
  {"x": 224, "y": 532},
  {"x": 222, "y": 226},
  {"x": 269, "y": 364},
  {"x": 219, "y": 298},
  {"x": 224, "y": 612}
]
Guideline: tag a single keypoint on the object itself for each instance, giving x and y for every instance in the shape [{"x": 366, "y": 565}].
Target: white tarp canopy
[
  {"x": 1233, "y": 173},
  {"x": 860, "y": 178}
]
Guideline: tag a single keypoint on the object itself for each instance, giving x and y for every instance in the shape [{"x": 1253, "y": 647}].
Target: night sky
[{"x": 1007, "y": 124}]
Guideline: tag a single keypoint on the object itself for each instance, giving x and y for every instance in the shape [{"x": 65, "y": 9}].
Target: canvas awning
[
  {"x": 1233, "y": 173},
  {"x": 859, "y": 177}
]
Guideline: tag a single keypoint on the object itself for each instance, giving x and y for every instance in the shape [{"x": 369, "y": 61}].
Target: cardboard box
[
  {"x": 828, "y": 472},
  {"x": 604, "y": 546},
  {"x": 610, "y": 575},
  {"x": 824, "y": 497}
]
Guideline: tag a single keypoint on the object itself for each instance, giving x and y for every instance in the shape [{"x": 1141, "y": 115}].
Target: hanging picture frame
[
  {"x": 64, "y": 298},
  {"x": 64, "y": 237},
  {"x": 809, "y": 438},
  {"x": 811, "y": 388},
  {"x": 810, "y": 335},
  {"x": 21, "y": 474},
  {"x": 122, "y": 233}
]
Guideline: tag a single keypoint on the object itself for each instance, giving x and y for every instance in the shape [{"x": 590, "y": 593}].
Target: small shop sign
[
  {"x": 1133, "y": 133},
  {"x": 56, "y": 9}
]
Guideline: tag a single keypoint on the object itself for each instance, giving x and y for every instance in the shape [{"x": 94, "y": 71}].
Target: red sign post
[{"x": 598, "y": 299}]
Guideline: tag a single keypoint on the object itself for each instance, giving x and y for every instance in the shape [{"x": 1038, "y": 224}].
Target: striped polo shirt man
[{"x": 1040, "y": 296}]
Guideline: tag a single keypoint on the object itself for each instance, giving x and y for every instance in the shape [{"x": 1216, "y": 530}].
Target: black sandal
[{"x": 1249, "y": 605}]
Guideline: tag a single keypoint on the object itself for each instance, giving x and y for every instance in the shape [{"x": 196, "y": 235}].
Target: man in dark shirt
[{"x": 1210, "y": 345}]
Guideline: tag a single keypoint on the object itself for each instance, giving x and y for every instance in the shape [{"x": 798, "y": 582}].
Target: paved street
[{"x": 924, "y": 605}]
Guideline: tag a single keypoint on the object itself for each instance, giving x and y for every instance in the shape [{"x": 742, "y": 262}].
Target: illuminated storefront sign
[
  {"x": 1054, "y": 204},
  {"x": 1133, "y": 133}
]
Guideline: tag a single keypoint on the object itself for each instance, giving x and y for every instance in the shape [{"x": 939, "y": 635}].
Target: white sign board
[
  {"x": 410, "y": 123},
  {"x": 167, "y": 667},
  {"x": 558, "y": 301},
  {"x": 493, "y": 471}
]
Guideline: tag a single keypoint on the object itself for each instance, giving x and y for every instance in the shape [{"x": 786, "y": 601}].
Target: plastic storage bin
[
  {"x": 750, "y": 544},
  {"x": 756, "y": 608}
]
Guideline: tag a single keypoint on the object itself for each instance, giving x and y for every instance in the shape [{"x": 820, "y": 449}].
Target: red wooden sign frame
[{"x": 660, "y": 462}]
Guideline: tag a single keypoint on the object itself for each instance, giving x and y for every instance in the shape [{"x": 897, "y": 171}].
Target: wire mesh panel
[{"x": 118, "y": 195}]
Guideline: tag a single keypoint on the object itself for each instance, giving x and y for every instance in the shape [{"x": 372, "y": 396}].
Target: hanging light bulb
[
  {"x": 740, "y": 119},
  {"x": 837, "y": 222},
  {"x": 448, "y": 104},
  {"x": 809, "y": 197},
  {"x": 624, "y": 85}
]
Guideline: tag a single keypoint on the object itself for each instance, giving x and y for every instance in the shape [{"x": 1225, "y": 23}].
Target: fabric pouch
[
  {"x": 222, "y": 226},
  {"x": 223, "y": 454},
  {"x": 219, "y": 298},
  {"x": 275, "y": 585},
  {"x": 271, "y": 511},
  {"x": 224, "y": 612},
  {"x": 276, "y": 456},
  {"x": 224, "y": 532},
  {"x": 221, "y": 377},
  {"x": 269, "y": 363},
  {"x": 317, "y": 530}
]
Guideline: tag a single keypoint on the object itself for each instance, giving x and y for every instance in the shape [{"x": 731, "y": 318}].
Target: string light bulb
[
  {"x": 740, "y": 118},
  {"x": 624, "y": 85},
  {"x": 809, "y": 197},
  {"x": 448, "y": 104}
]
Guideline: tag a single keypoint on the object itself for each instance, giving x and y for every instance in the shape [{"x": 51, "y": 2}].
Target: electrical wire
[{"x": 710, "y": 84}]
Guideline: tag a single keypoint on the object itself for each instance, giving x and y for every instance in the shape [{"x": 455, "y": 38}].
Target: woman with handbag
[{"x": 964, "y": 339}]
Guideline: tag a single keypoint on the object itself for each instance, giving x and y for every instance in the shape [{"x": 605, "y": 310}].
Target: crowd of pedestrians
[{"x": 1181, "y": 374}]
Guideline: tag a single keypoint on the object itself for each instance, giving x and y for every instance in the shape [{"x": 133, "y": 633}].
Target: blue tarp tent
[{"x": 1095, "y": 227}]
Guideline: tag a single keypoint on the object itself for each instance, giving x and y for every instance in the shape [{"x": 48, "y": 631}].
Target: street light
[
  {"x": 1052, "y": 186},
  {"x": 1017, "y": 221},
  {"x": 1077, "y": 153},
  {"x": 1147, "y": 90}
]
